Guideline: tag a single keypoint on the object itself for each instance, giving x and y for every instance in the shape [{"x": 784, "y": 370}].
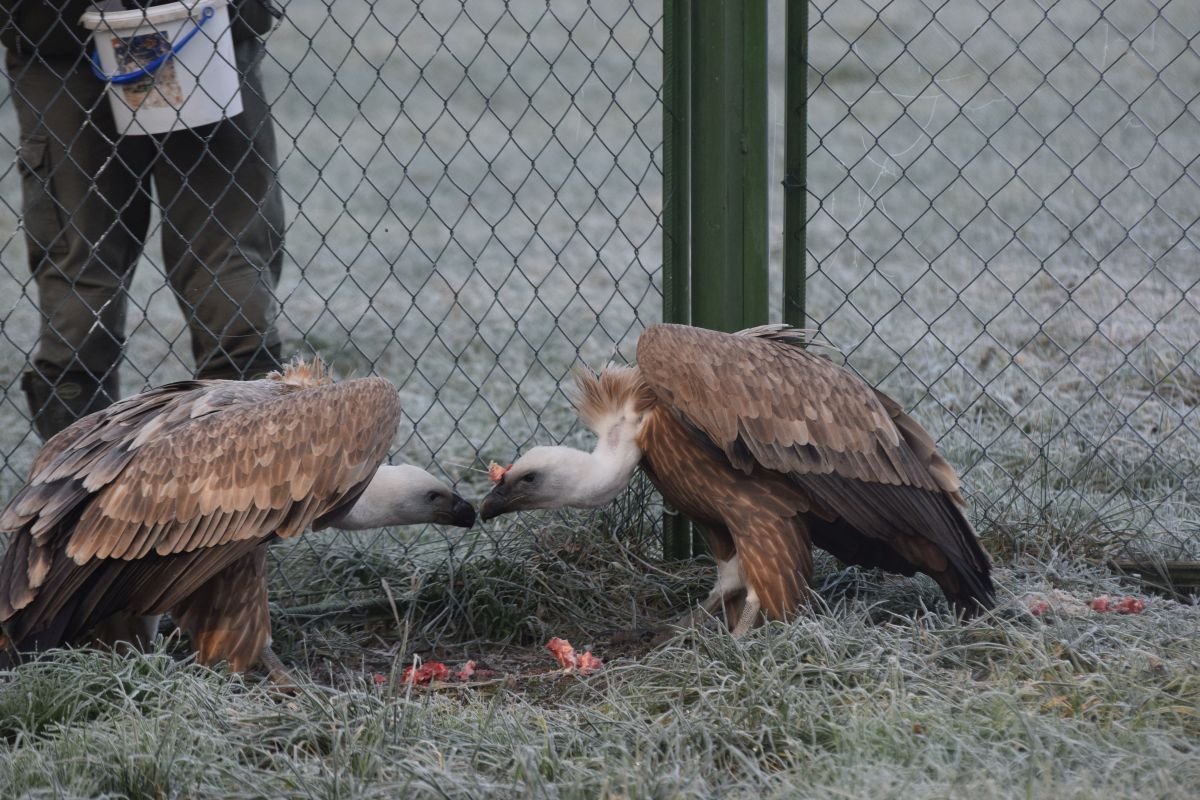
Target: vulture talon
[
  {"x": 277, "y": 674},
  {"x": 749, "y": 616}
]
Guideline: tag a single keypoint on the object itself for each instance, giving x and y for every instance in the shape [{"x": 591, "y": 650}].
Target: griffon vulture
[
  {"x": 166, "y": 501},
  {"x": 769, "y": 449}
]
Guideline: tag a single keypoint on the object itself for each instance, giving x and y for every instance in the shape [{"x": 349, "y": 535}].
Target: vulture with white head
[
  {"x": 166, "y": 501},
  {"x": 769, "y": 449}
]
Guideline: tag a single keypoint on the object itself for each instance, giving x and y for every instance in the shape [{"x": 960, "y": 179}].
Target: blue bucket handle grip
[{"x": 150, "y": 67}]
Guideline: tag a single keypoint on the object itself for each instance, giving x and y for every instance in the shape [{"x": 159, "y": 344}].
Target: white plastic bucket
[{"x": 168, "y": 67}]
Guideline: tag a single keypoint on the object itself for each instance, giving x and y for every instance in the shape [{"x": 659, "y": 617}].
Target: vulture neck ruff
[{"x": 614, "y": 406}]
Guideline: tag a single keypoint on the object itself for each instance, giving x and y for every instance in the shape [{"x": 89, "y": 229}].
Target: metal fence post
[
  {"x": 715, "y": 176},
  {"x": 676, "y": 83},
  {"x": 677, "y": 531},
  {"x": 795, "y": 121},
  {"x": 729, "y": 157}
]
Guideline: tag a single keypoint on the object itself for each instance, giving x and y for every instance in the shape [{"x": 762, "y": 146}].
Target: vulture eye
[
  {"x": 433, "y": 496},
  {"x": 529, "y": 477}
]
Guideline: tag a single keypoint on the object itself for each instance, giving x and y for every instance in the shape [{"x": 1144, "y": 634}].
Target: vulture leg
[
  {"x": 730, "y": 583},
  {"x": 227, "y": 617},
  {"x": 724, "y": 594},
  {"x": 776, "y": 563},
  {"x": 277, "y": 673},
  {"x": 749, "y": 616},
  {"x": 122, "y": 631}
]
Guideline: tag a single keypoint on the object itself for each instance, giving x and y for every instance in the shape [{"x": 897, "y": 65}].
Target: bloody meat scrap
[
  {"x": 584, "y": 663},
  {"x": 1126, "y": 605},
  {"x": 432, "y": 671},
  {"x": 428, "y": 672}
]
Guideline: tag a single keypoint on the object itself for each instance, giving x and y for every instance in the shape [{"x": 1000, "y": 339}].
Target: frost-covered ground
[{"x": 869, "y": 696}]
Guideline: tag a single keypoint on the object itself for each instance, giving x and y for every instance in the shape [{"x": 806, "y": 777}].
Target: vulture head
[
  {"x": 402, "y": 494},
  {"x": 613, "y": 405},
  {"x": 553, "y": 477}
]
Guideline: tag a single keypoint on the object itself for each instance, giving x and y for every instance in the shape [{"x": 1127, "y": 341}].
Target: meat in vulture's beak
[
  {"x": 498, "y": 501},
  {"x": 462, "y": 514}
]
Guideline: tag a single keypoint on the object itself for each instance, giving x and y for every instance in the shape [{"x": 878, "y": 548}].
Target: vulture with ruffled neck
[{"x": 769, "y": 449}]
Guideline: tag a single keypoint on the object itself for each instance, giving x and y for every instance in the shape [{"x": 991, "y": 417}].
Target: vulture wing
[
  {"x": 134, "y": 507},
  {"x": 768, "y": 403}
]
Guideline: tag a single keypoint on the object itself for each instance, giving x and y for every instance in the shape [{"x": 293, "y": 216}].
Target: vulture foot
[
  {"x": 277, "y": 673},
  {"x": 749, "y": 615},
  {"x": 699, "y": 617},
  {"x": 728, "y": 595}
]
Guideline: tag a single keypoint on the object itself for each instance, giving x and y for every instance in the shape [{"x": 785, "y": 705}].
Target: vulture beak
[
  {"x": 462, "y": 514},
  {"x": 498, "y": 501}
]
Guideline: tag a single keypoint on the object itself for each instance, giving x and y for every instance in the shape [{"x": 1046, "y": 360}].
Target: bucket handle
[{"x": 150, "y": 67}]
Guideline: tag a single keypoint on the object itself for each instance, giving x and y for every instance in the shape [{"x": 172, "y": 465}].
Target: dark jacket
[{"x": 51, "y": 28}]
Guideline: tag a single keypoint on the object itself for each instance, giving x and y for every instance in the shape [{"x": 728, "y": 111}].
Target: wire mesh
[
  {"x": 1002, "y": 202},
  {"x": 472, "y": 194},
  {"x": 1003, "y": 208}
]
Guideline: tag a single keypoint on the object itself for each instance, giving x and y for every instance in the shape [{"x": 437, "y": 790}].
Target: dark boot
[{"x": 54, "y": 403}]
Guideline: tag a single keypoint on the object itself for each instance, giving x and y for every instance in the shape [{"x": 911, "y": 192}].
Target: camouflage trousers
[{"x": 87, "y": 197}]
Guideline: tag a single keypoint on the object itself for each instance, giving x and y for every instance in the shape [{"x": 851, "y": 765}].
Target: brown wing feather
[
  {"x": 75, "y": 598},
  {"x": 195, "y": 465},
  {"x": 326, "y": 440},
  {"x": 890, "y": 526},
  {"x": 773, "y": 404}
]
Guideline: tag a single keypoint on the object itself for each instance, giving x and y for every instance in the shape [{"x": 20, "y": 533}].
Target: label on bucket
[
  {"x": 160, "y": 89},
  {"x": 187, "y": 49}
]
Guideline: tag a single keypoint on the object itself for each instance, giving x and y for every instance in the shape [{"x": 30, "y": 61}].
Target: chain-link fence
[
  {"x": 1002, "y": 198},
  {"x": 471, "y": 196},
  {"x": 1004, "y": 207}
]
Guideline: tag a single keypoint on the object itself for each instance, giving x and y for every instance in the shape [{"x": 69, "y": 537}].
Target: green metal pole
[
  {"x": 756, "y": 224},
  {"x": 729, "y": 158},
  {"x": 795, "y": 199},
  {"x": 676, "y": 183},
  {"x": 715, "y": 218},
  {"x": 677, "y": 532}
]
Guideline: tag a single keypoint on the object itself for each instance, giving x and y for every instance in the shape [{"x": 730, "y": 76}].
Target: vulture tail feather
[
  {"x": 75, "y": 598},
  {"x": 910, "y": 521}
]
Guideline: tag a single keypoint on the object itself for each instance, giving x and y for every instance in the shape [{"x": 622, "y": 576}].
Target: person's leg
[
  {"x": 84, "y": 213},
  {"x": 223, "y": 232}
]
